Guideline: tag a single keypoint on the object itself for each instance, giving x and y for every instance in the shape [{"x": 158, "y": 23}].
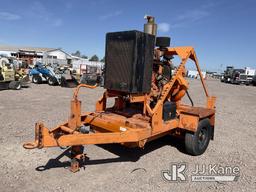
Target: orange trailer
[{"x": 134, "y": 120}]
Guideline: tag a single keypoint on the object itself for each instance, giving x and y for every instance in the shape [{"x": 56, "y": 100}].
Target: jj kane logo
[
  {"x": 176, "y": 172},
  {"x": 201, "y": 173}
]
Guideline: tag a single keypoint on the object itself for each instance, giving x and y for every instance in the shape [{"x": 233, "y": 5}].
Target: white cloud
[
  {"x": 40, "y": 11},
  {"x": 57, "y": 22},
  {"x": 164, "y": 27},
  {"x": 193, "y": 15},
  {"x": 37, "y": 9},
  {"x": 190, "y": 17},
  {"x": 110, "y": 15},
  {"x": 9, "y": 16}
]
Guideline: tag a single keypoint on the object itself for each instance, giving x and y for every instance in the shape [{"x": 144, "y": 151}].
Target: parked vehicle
[
  {"x": 232, "y": 75},
  {"x": 254, "y": 80},
  {"x": 227, "y": 74},
  {"x": 245, "y": 79},
  {"x": 235, "y": 77},
  {"x": 58, "y": 76},
  {"x": 10, "y": 77},
  {"x": 91, "y": 76},
  {"x": 91, "y": 79}
]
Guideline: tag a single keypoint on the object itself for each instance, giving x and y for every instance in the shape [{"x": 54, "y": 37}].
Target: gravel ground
[{"x": 112, "y": 167}]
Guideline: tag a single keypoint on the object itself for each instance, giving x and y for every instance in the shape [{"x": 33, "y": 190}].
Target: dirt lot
[{"x": 112, "y": 167}]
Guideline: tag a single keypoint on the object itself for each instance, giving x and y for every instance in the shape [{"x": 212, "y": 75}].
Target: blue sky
[{"x": 223, "y": 32}]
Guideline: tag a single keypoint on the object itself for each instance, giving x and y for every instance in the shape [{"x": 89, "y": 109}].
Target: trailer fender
[{"x": 189, "y": 122}]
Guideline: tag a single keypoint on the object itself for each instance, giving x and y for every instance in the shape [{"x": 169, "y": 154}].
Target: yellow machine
[{"x": 10, "y": 77}]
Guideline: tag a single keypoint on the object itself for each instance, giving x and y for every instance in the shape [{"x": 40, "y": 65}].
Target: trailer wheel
[
  {"x": 15, "y": 85},
  {"x": 52, "y": 81},
  {"x": 196, "y": 143},
  {"x": 37, "y": 79}
]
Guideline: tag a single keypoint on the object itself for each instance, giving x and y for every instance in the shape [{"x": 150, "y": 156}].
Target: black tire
[
  {"x": 63, "y": 82},
  {"x": 52, "y": 81},
  {"x": 196, "y": 143},
  {"x": 15, "y": 85},
  {"x": 68, "y": 83},
  {"x": 72, "y": 84},
  {"x": 37, "y": 79}
]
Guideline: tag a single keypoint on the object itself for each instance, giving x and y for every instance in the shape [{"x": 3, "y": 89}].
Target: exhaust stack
[{"x": 150, "y": 27}]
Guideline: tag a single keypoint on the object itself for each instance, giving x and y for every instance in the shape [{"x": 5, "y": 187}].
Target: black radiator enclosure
[{"x": 129, "y": 61}]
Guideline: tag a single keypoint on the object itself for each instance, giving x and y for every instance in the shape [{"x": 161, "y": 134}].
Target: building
[
  {"x": 31, "y": 55},
  {"x": 57, "y": 56},
  {"x": 82, "y": 65},
  {"x": 194, "y": 74},
  {"x": 26, "y": 54}
]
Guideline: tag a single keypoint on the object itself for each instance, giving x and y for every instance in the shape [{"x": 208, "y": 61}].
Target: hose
[{"x": 192, "y": 103}]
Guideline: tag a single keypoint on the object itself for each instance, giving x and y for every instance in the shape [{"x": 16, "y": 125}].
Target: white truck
[{"x": 247, "y": 77}]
